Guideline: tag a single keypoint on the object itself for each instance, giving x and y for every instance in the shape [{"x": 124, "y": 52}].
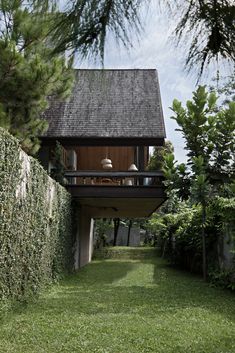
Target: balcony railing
[{"x": 111, "y": 178}]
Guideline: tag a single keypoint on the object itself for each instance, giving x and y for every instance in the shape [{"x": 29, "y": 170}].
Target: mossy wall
[{"x": 35, "y": 223}]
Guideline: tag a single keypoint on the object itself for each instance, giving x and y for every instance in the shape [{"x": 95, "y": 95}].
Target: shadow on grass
[
  {"x": 98, "y": 273},
  {"x": 96, "y": 289}
]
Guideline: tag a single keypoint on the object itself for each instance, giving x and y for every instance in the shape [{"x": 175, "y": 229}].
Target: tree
[
  {"x": 207, "y": 25},
  {"x": 29, "y": 73},
  {"x": 200, "y": 194},
  {"x": 209, "y": 136},
  {"x": 177, "y": 178},
  {"x": 209, "y": 133},
  {"x": 210, "y": 24}
]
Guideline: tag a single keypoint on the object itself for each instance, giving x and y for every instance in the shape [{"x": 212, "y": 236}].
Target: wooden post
[
  {"x": 116, "y": 222},
  {"x": 141, "y": 165}
]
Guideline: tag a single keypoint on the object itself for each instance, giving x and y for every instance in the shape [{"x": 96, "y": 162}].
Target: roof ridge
[{"x": 77, "y": 69}]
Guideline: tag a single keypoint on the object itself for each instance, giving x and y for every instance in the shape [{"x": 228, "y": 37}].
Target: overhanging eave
[{"x": 102, "y": 141}]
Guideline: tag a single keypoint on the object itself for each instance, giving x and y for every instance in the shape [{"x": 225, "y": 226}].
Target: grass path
[{"x": 125, "y": 306}]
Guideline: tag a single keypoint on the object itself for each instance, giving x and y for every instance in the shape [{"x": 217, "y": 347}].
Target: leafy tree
[
  {"x": 177, "y": 178},
  {"x": 209, "y": 133},
  {"x": 209, "y": 137},
  {"x": 200, "y": 194},
  {"x": 198, "y": 191},
  {"x": 29, "y": 73}
]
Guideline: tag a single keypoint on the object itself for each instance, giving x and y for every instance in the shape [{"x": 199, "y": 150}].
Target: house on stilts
[{"x": 106, "y": 128}]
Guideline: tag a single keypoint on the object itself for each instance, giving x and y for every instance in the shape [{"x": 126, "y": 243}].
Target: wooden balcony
[{"x": 117, "y": 194}]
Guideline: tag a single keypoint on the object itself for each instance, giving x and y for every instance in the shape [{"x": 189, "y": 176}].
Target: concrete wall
[
  {"x": 225, "y": 247},
  {"x": 122, "y": 236}
]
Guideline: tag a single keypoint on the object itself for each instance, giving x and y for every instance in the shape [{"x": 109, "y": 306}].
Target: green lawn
[{"x": 125, "y": 306}]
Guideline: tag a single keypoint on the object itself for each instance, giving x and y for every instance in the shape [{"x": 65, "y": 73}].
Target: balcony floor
[{"x": 118, "y": 201}]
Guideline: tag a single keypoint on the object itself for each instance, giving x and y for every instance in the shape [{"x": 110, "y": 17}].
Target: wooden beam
[
  {"x": 110, "y": 174},
  {"x": 93, "y": 191},
  {"x": 103, "y": 141}
]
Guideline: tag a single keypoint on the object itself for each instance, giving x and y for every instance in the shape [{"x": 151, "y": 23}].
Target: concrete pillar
[
  {"x": 91, "y": 239},
  {"x": 77, "y": 242},
  {"x": 84, "y": 241}
]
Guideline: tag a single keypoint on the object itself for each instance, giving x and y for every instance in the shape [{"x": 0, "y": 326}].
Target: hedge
[{"x": 35, "y": 223}]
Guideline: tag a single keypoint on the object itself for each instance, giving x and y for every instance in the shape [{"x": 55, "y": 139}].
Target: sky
[{"x": 154, "y": 50}]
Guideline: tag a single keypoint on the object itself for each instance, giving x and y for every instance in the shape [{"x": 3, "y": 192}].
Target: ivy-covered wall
[{"x": 35, "y": 223}]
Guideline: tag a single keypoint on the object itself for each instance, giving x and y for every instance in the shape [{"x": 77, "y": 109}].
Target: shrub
[{"x": 179, "y": 237}]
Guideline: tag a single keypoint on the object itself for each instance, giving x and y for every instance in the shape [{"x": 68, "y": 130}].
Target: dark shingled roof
[{"x": 109, "y": 103}]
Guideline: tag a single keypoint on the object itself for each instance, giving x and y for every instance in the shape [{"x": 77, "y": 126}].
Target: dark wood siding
[{"x": 89, "y": 158}]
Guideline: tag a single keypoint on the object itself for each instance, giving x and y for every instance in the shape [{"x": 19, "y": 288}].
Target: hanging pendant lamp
[
  {"x": 106, "y": 162},
  {"x": 132, "y": 168}
]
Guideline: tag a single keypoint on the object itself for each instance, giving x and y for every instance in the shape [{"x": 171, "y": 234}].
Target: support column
[
  {"x": 91, "y": 242},
  {"x": 84, "y": 241},
  {"x": 77, "y": 242},
  {"x": 141, "y": 165}
]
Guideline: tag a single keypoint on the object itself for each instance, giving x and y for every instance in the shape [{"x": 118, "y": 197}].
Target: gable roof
[{"x": 109, "y": 104}]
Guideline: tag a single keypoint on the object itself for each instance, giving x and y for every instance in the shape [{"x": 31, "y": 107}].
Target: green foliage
[
  {"x": 222, "y": 278},
  {"x": 177, "y": 177},
  {"x": 29, "y": 72},
  {"x": 57, "y": 172},
  {"x": 209, "y": 134},
  {"x": 35, "y": 224},
  {"x": 179, "y": 234},
  {"x": 193, "y": 230},
  {"x": 102, "y": 227},
  {"x": 83, "y": 27},
  {"x": 211, "y": 25},
  {"x": 207, "y": 26},
  {"x": 125, "y": 253},
  {"x": 208, "y": 174},
  {"x": 157, "y": 159},
  {"x": 224, "y": 207}
]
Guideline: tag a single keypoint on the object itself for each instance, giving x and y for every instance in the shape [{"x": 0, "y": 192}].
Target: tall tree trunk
[
  {"x": 204, "y": 264},
  {"x": 129, "y": 232},
  {"x": 116, "y": 222}
]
